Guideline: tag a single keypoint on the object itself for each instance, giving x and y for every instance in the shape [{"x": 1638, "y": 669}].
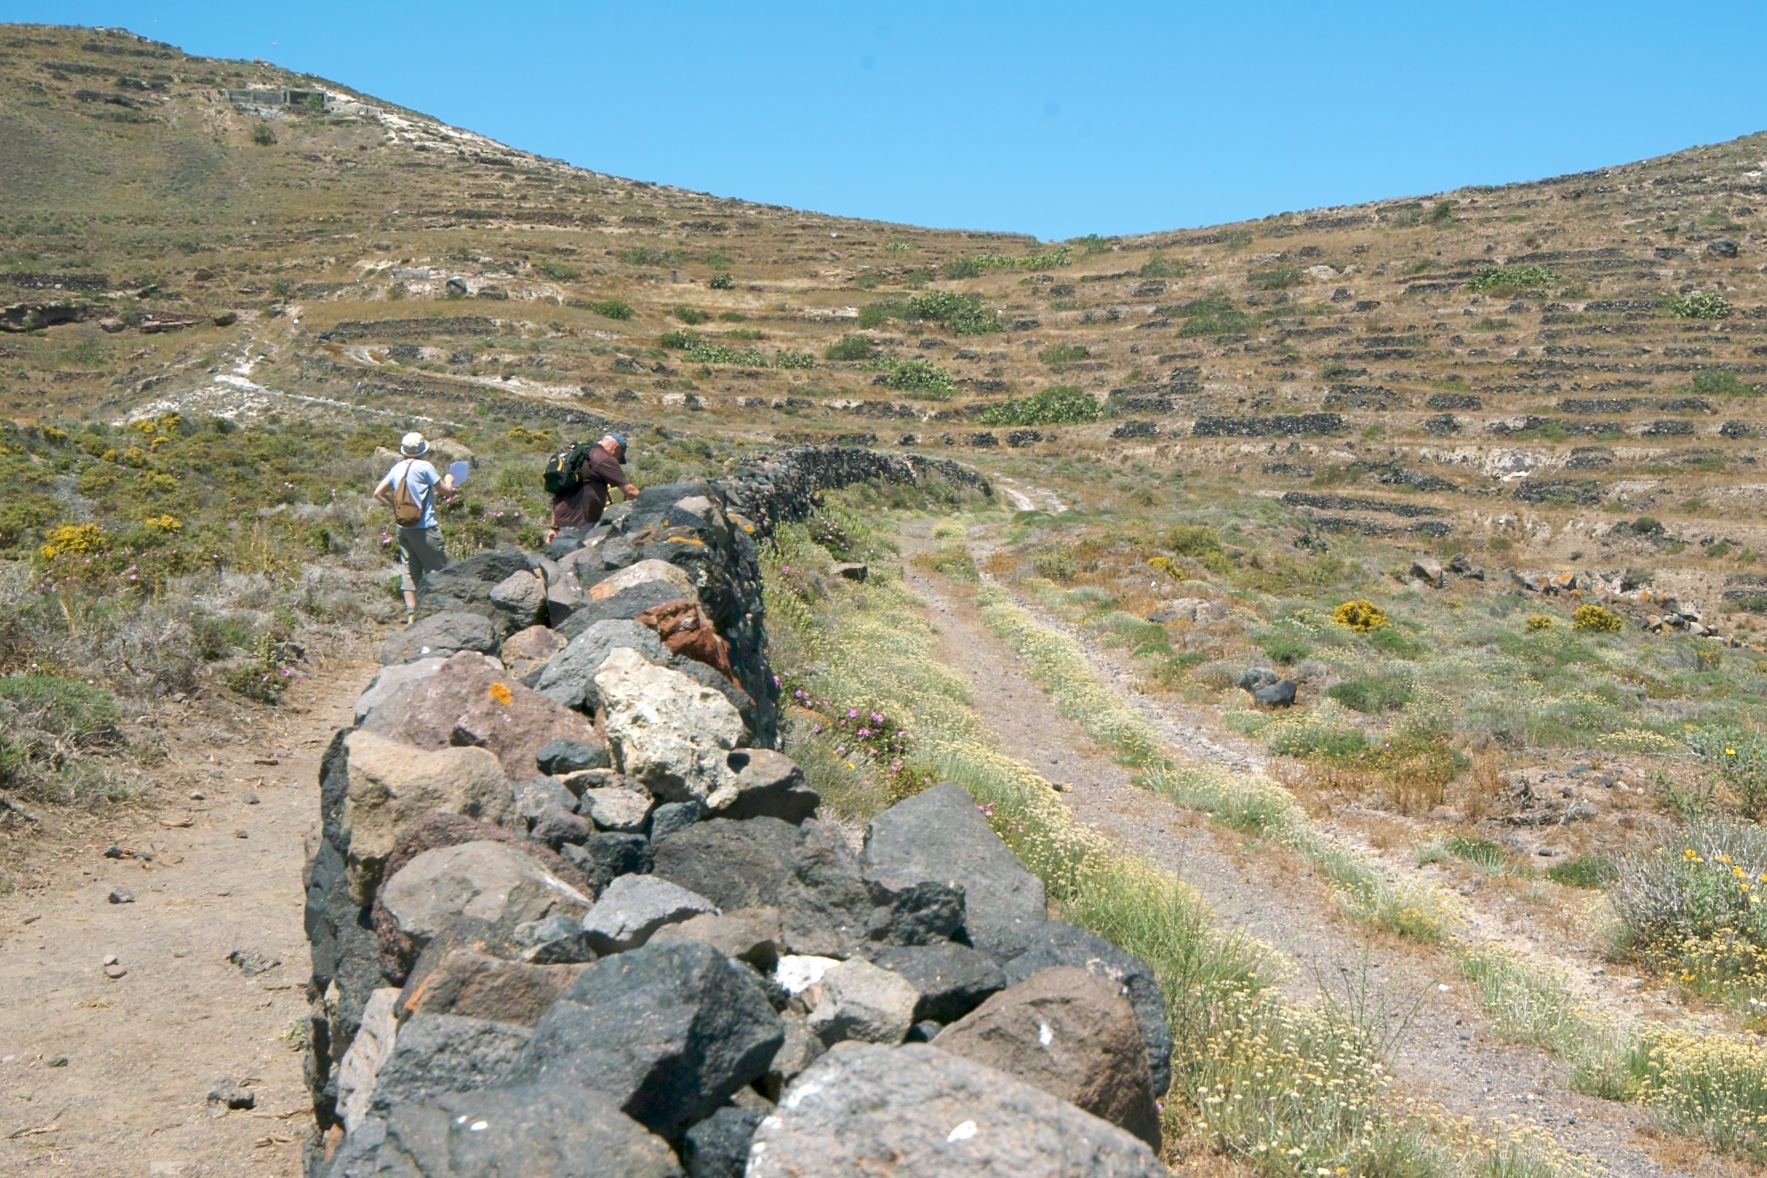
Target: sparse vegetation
[
  {"x": 1699, "y": 304},
  {"x": 1510, "y": 280},
  {"x": 851, "y": 347},
  {"x": 1056, "y": 405}
]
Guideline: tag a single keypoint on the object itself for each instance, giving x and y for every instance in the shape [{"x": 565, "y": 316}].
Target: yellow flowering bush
[
  {"x": 1539, "y": 622},
  {"x": 1694, "y": 913},
  {"x": 1166, "y": 565},
  {"x": 1714, "y": 1086},
  {"x": 171, "y": 525},
  {"x": 1360, "y": 615},
  {"x": 74, "y": 539},
  {"x": 1597, "y": 618}
]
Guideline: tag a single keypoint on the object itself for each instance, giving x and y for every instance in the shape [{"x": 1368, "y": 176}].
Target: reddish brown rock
[
  {"x": 472, "y": 701},
  {"x": 1072, "y": 1034},
  {"x": 686, "y": 630},
  {"x": 465, "y": 980}
]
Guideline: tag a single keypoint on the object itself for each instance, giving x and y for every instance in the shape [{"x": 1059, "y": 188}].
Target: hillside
[
  {"x": 1504, "y": 353},
  {"x": 1465, "y": 486}
]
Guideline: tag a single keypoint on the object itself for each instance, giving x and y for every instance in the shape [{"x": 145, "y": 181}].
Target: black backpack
[{"x": 562, "y": 469}]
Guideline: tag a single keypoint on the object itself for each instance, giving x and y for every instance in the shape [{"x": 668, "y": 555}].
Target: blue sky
[{"x": 1052, "y": 119}]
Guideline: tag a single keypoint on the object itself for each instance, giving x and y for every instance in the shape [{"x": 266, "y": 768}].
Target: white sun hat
[{"x": 412, "y": 445}]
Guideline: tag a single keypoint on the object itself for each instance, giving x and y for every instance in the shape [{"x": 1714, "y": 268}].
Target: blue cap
[{"x": 621, "y": 439}]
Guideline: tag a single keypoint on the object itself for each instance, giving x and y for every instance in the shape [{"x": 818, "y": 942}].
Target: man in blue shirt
[{"x": 410, "y": 490}]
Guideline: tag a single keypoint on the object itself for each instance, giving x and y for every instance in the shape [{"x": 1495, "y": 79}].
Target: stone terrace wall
[
  {"x": 787, "y": 485},
  {"x": 570, "y": 916}
]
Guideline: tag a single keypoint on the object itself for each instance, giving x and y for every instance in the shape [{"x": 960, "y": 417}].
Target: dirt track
[
  {"x": 111, "y": 1076},
  {"x": 1446, "y": 1055}
]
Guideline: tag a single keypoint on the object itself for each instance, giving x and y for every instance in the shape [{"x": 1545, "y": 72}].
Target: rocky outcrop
[{"x": 585, "y": 919}]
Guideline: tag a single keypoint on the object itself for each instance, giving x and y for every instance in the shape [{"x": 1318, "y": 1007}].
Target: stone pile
[{"x": 571, "y": 914}]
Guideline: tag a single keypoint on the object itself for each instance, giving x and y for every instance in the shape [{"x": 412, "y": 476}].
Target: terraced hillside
[{"x": 1529, "y": 366}]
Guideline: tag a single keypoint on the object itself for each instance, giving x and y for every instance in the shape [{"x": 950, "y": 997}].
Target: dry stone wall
[{"x": 572, "y": 913}]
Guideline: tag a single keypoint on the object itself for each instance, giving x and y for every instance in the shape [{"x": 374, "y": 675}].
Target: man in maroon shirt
[{"x": 597, "y": 471}]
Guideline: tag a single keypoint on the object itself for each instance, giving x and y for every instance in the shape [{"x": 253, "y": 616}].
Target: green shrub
[
  {"x": 1372, "y": 693},
  {"x": 1484, "y": 854},
  {"x": 961, "y": 313},
  {"x": 1283, "y": 645},
  {"x": 1058, "y": 564},
  {"x": 263, "y": 135},
  {"x": 704, "y": 352},
  {"x": 794, "y": 360},
  {"x": 722, "y": 282},
  {"x": 1064, "y": 353},
  {"x": 21, "y": 515},
  {"x": 611, "y": 309},
  {"x": 688, "y": 315},
  {"x": 1396, "y": 642},
  {"x": 1279, "y": 279},
  {"x": 920, "y": 376},
  {"x": 1509, "y": 280},
  {"x": 851, "y": 347},
  {"x": 1738, "y": 754},
  {"x": 1721, "y": 382},
  {"x": 1314, "y": 734},
  {"x": 677, "y": 340},
  {"x": 46, "y": 724},
  {"x": 1442, "y": 214},
  {"x": 1479, "y": 852},
  {"x": 558, "y": 270},
  {"x": 1213, "y": 314},
  {"x": 1062, "y": 404},
  {"x": 876, "y": 314},
  {"x": 981, "y": 264},
  {"x": 1699, "y": 304},
  {"x": 1193, "y": 540},
  {"x": 1159, "y": 267},
  {"x": 1584, "y": 871}
]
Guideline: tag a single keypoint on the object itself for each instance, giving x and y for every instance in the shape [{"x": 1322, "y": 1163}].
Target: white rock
[
  {"x": 799, "y": 971},
  {"x": 668, "y": 732}
]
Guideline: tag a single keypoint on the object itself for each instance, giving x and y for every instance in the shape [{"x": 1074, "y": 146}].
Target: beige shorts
[{"x": 421, "y": 552}]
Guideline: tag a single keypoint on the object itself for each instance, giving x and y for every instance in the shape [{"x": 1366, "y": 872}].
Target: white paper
[{"x": 459, "y": 470}]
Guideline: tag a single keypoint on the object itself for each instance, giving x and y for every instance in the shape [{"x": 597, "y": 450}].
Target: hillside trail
[
  {"x": 1447, "y": 1053},
  {"x": 103, "y": 1075}
]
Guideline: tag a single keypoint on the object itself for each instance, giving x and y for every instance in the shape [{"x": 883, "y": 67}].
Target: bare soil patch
[{"x": 103, "y": 1074}]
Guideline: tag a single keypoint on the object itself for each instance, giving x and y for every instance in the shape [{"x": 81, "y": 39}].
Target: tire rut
[{"x": 1447, "y": 1053}]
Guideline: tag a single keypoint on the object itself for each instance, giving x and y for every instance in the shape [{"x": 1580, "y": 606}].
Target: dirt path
[
  {"x": 104, "y": 1075},
  {"x": 1446, "y": 1054}
]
